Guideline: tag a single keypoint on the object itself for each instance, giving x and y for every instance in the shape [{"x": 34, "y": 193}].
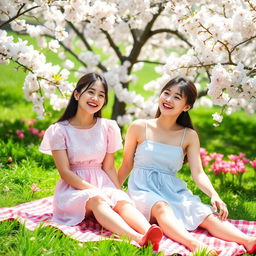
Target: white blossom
[
  {"x": 199, "y": 40},
  {"x": 18, "y": 25},
  {"x": 205, "y": 102},
  {"x": 53, "y": 45},
  {"x": 69, "y": 64},
  {"x": 217, "y": 117},
  {"x": 124, "y": 120},
  {"x": 60, "y": 33}
]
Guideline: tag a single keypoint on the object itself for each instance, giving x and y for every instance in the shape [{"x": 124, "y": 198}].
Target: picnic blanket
[{"x": 34, "y": 213}]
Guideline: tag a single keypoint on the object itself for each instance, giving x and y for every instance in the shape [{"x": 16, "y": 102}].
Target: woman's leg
[
  {"x": 163, "y": 214},
  {"x": 226, "y": 231},
  {"x": 109, "y": 219},
  {"x": 132, "y": 216}
]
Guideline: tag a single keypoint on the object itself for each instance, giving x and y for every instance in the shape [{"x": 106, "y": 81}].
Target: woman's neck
[
  {"x": 83, "y": 120},
  {"x": 167, "y": 123}
]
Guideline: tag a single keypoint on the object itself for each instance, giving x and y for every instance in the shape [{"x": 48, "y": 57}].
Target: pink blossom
[
  {"x": 33, "y": 130},
  {"x": 216, "y": 156},
  {"x": 233, "y": 157},
  {"x": 34, "y": 188},
  {"x": 240, "y": 165},
  {"x": 241, "y": 155},
  {"x": 41, "y": 134},
  {"x": 228, "y": 167},
  {"x": 9, "y": 159},
  {"x": 20, "y": 134},
  {"x": 253, "y": 164},
  {"x": 237, "y": 167},
  {"x": 219, "y": 166},
  {"x": 204, "y": 157},
  {"x": 31, "y": 122},
  {"x": 203, "y": 152},
  {"x": 245, "y": 160},
  {"x": 206, "y": 160}
]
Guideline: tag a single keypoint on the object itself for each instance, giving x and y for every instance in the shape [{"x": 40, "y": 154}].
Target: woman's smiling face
[
  {"x": 172, "y": 101},
  {"x": 91, "y": 99}
]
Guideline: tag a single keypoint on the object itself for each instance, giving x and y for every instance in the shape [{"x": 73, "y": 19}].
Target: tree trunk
[{"x": 118, "y": 109}]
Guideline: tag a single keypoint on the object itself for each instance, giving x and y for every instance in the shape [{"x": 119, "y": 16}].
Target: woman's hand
[{"x": 218, "y": 204}]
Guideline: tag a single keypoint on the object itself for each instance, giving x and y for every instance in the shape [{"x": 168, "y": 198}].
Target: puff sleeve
[
  {"x": 54, "y": 139},
  {"x": 114, "y": 138}
]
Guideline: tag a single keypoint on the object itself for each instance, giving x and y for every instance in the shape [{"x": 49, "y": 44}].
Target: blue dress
[{"x": 154, "y": 179}]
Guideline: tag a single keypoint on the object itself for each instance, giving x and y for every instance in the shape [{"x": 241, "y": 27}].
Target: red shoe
[
  {"x": 253, "y": 250},
  {"x": 153, "y": 236}
]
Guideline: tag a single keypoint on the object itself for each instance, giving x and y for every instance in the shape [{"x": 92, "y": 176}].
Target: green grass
[
  {"x": 236, "y": 134},
  {"x": 49, "y": 241}
]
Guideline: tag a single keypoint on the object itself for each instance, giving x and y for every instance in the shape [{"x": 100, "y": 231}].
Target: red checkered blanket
[{"x": 40, "y": 211}]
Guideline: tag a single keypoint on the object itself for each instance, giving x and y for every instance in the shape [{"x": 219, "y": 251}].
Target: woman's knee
[
  {"x": 209, "y": 221},
  {"x": 95, "y": 202},
  {"x": 122, "y": 205},
  {"x": 159, "y": 207}
]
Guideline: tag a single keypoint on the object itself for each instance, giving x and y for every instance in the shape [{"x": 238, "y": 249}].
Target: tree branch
[
  {"x": 243, "y": 42},
  {"x": 103, "y": 68},
  {"x": 226, "y": 47},
  {"x": 210, "y": 65},
  {"x": 67, "y": 49},
  {"x": 150, "y": 62},
  {"x": 224, "y": 10},
  {"x": 133, "y": 32},
  {"x": 252, "y": 71},
  {"x": 114, "y": 46},
  {"x": 63, "y": 45},
  {"x": 251, "y": 5},
  {"x": 174, "y": 32},
  {"x": 143, "y": 39},
  {"x": 39, "y": 77},
  {"x": 80, "y": 36},
  {"x": 206, "y": 69},
  {"x": 202, "y": 93},
  {"x": 18, "y": 14}
]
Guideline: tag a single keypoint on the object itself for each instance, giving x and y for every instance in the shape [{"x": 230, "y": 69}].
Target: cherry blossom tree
[{"x": 210, "y": 42}]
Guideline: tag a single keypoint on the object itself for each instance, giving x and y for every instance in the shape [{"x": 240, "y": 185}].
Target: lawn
[{"x": 21, "y": 165}]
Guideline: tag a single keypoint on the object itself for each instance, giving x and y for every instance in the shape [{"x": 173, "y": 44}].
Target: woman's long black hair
[
  {"x": 187, "y": 89},
  {"x": 86, "y": 82}
]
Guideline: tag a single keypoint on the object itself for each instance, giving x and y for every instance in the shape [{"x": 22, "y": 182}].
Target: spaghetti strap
[
  {"x": 183, "y": 136},
  {"x": 146, "y": 126}
]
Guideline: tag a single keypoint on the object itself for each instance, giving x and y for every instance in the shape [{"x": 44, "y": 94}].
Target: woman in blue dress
[{"x": 155, "y": 149}]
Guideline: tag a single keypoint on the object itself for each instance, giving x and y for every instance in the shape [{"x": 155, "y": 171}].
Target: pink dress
[{"x": 86, "y": 149}]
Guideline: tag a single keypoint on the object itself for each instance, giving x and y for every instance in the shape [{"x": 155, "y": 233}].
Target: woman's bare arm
[
  {"x": 62, "y": 164},
  {"x": 133, "y": 134},
  {"x": 108, "y": 166}
]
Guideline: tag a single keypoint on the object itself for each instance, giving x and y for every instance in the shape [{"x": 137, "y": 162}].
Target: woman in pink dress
[{"x": 82, "y": 145}]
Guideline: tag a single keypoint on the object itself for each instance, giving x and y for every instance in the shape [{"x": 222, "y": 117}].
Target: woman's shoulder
[
  {"x": 139, "y": 123},
  {"x": 191, "y": 132},
  {"x": 191, "y": 135},
  {"x": 61, "y": 124},
  {"x": 58, "y": 126},
  {"x": 137, "y": 127},
  {"x": 109, "y": 125},
  {"x": 107, "y": 122}
]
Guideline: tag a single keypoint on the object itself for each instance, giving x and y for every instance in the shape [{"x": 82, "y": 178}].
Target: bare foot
[
  {"x": 251, "y": 245},
  {"x": 196, "y": 246}
]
